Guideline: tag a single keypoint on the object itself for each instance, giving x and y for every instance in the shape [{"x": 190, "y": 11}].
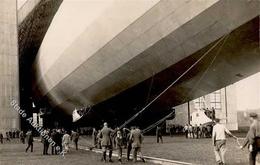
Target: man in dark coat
[
  {"x": 75, "y": 138},
  {"x": 94, "y": 138},
  {"x": 159, "y": 134},
  {"x": 253, "y": 138},
  {"x": 137, "y": 139},
  {"x": 53, "y": 137},
  {"x": 1, "y": 138},
  {"x": 129, "y": 143},
  {"x": 45, "y": 142},
  {"x": 58, "y": 141},
  {"x": 29, "y": 137},
  {"x": 106, "y": 141}
]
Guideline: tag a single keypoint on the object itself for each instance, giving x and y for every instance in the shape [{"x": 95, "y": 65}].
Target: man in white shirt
[
  {"x": 219, "y": 141},
  {"x": 65, "y": 142}
]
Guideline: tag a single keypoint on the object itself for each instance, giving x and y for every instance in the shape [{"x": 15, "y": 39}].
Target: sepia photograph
[{"x": 156, "y": 82}]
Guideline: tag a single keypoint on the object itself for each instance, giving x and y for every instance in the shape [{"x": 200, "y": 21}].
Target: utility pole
[
  {"x": 226, "y": 105},
  {"x": 188, "y": 112}
]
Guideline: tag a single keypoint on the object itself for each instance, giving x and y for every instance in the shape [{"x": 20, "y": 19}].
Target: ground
[
  {"x": 195, "y": 151},
  {"x": 14, "y": 154}
]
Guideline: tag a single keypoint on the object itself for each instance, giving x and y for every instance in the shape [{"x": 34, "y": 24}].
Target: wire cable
[
  {"x": 194, "y": 87},
  {"x": 174, "y": 82}
]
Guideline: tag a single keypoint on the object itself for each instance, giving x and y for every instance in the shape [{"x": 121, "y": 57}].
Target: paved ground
[
  {"x": 196, "y": 151},
  {"x": 14, "y": 154}
]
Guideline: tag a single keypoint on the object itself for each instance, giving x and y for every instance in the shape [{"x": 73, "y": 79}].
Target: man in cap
[
  {"x": 75, "y": 138},
  {"x": 30, "y": 140},
  {"x": 129, "y": 143},
  {"x": 219, "y": 141},
  {"x": 159, "y": 134},
  {"x": 106, "y": 141},
  {"x": 119, "y": 144},
  {"x": 137, "y": 139},
  {"x": 253, "y": 138}
]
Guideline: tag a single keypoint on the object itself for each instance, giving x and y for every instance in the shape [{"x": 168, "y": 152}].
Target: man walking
[
  {"x": 58, "y": 140},
  {"x": 29, "y": 140},
  {"x": 1, "y": 138},
  {"x": 94, "y": 137},
  {"x": 219, "y": 141},
  {"x": 106, "y": 141},
  {"x": 253, "y": 138},
  {"x": 75, "y": 138},
  {"x": 159, "y": 134},
  {"x": 45, "y": 142},
  {"x": 129, "y": 144},
  {"x": 119, "y": 145},
  {"x": 137, "y": 139},
  {"x": 54, "y": 138},
  {"x": 66, "y": 142}
]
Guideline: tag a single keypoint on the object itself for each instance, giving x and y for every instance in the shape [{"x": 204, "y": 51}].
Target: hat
[{"x": 253, "y": 115}]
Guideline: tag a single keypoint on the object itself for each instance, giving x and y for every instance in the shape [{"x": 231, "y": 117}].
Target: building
[{"x": 232, "y": 104}]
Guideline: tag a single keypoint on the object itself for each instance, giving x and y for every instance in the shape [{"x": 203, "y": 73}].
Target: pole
[
  {"x": 226, "y": 104},
  {"x": 188, "y": 112}
]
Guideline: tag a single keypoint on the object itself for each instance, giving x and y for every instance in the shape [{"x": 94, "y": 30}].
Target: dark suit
[
  {"x": 137, "y": 139},
  {"x": 159, "y": 134},
  {"x": 129, "y": 145},
  {"x": 45, "y": 144},
  {"x": 252, "y": 134},
  {"x": 30, "y": 141},
  {"x": 75, "y": 138},
  {"x": 106, "y": 141},
  {"x": 1, "y": 138},
  {"x": 58, "y": 141}
]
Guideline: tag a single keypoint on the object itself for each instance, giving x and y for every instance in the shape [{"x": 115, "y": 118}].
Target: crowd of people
[
  {"x": 61, "y": 139},
  {"x": 131, "y": 139},
  {"x": 12, "y": 135},
  {"x": 107, "y": 139},
  {"x": 198, "y": 131},
  {"x": 174, "y": 129}
]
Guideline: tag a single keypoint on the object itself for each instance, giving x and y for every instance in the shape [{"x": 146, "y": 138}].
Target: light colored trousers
[
  {"x": 220, "y": 154},
  {"x": 66, "y": 147}
]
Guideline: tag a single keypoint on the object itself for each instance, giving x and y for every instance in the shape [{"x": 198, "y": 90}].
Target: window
[
  {"x": 215, "y": 100},
  {"x": 200, "y": 103}
]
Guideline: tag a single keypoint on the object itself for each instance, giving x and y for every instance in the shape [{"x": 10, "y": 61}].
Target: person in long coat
[
  {"x": 137, "y": 140},
  {"x": 106, "y": 135}
]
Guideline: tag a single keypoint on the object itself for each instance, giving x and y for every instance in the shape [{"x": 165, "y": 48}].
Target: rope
[
  {"x": 174, "y": 82},
  {"x": 150, "y": 89},
  {"x": 194, "y": 87},
  {"x": 147, "y": 129},
  {"x": 211, "y": 63}
]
